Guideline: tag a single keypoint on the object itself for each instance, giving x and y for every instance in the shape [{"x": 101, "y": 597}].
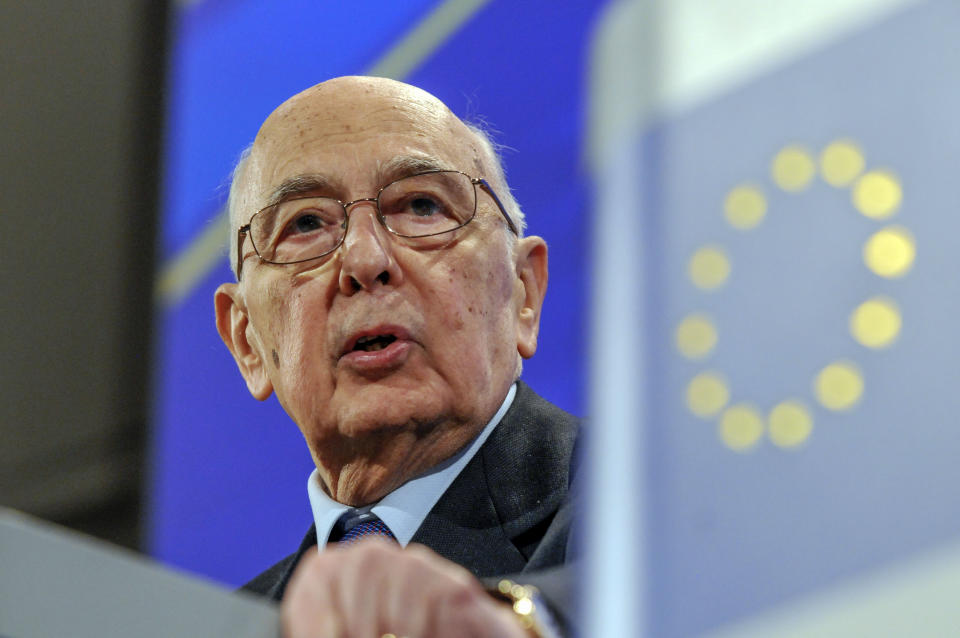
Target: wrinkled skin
[{"x": 466, "y": 308}]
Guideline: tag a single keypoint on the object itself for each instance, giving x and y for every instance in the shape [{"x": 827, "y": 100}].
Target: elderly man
[{"x": 387, "y": 295}]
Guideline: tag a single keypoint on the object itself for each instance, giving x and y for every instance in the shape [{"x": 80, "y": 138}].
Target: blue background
[
  {"x": 228, "y": 489},
  {"x": 730, "y": 533}
]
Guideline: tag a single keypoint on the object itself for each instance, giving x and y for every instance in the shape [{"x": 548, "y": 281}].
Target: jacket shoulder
[{"x": 272, "y": 582}]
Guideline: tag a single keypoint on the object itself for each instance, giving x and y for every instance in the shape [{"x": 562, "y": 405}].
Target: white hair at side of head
[
  {"x": 238, "y": 181},
  {"x": 499, "y": 178}
]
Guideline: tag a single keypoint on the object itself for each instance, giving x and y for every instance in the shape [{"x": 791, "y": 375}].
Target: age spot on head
[{"x": 276, "y": 358}]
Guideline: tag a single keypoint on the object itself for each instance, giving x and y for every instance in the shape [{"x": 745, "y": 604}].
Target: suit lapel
[
  {"x": 493, "y": 517},
  {"x": 464, "y": 526}
]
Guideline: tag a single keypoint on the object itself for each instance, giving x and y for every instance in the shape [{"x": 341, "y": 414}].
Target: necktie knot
[{"x": 354, "y": 526}]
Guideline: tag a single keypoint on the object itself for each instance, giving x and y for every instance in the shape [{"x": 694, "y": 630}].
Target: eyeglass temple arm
[
  {"x": 503, "y": 211},
  {"x": 241, "y": 235}
]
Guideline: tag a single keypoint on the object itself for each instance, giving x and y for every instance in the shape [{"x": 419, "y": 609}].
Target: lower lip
[{"x": 377, "y": 360}]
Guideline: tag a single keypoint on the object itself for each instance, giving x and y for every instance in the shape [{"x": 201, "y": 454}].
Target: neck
[{"x": 370, "y": 473}]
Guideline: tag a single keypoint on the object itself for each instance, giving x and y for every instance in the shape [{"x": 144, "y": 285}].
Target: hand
[{"x": 375, "y": 588}]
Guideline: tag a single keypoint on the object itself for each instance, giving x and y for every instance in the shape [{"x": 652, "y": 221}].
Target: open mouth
[{"x": 372, "y": 343}]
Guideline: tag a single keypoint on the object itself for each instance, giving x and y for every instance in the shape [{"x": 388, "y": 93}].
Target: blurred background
[
  {"x": 786, "y": 172},
  {"x": 82, "y": 104}
]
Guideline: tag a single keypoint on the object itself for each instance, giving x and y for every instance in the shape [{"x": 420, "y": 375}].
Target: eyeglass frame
[{"x": 244, "y": 230}]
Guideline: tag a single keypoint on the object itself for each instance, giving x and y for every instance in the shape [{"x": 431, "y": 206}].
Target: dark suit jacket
[{"x": 507, "y": 513}]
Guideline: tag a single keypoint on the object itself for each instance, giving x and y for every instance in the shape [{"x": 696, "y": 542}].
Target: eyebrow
[
  {"x": 406, "y": 165},
  {"x": 393, "y": 169},
  {"x": 299, "y": 185}
]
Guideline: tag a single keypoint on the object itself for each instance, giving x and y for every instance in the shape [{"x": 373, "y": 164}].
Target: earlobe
[
  {"x": 237, "y": 334},
  {"x": 532, "y": 275}
]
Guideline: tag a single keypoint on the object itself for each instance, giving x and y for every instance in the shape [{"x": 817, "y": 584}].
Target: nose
[{"x": 366, "y": 255}]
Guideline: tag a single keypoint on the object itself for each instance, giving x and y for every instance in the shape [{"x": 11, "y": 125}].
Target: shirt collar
[{"x": 404, "y": 509}]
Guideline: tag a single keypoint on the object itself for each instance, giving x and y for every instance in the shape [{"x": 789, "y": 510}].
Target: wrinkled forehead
[{"x": 347, "y": 130}]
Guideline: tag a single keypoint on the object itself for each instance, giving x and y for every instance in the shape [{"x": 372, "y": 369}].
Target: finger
[
  {"x": 361, "y": 584},
  {"x": 481, "y": 617},
  {"x": 306, "y": 620},
  {"x": 405, "y": 594},
  {"x": 436, "y": 589},
  {"x": 309, "y": 606},
  {"x": 497, "y": 620}
]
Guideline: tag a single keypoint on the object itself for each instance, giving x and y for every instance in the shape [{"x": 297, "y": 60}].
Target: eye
[
  {"x": 417, "y": 208},
  {"x": 428, "y": 203},
  {"x": 305, "y": 222},
  {"x": 425, "y": 206},
  {"x": 306, "y": 219},
  {"x": 297, "y": 229}
]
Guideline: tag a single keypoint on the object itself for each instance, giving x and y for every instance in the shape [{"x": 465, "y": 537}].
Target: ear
[
  {"x": 532, "y": 276},
  {"x": 234, "y": 327}
]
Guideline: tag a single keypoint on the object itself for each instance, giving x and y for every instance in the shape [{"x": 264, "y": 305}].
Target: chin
[
  {"x": 383, "y": 410},
  {"x": 390, "y": 422}
]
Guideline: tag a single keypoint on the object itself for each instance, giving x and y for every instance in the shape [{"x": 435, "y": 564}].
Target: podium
[{"x": 56, "y": 582}]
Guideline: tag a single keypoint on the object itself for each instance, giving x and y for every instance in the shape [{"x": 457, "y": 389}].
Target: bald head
[{"x": 358, "y": 109}]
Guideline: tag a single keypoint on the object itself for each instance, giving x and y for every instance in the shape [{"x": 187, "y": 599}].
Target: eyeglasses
[{"x": 421, "y": 205}]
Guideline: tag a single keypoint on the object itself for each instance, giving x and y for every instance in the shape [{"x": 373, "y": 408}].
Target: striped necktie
[{"x": 354, "y": 526}]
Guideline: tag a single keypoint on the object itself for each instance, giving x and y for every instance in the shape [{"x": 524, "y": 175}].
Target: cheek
[
  {"x": 288, "y": 340},
  {"x": 476, "y": 307},
  {"x": 466, "y": 300},
  {"x": 304, "y": 330},
  {"x": 296, "y": 334}
]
